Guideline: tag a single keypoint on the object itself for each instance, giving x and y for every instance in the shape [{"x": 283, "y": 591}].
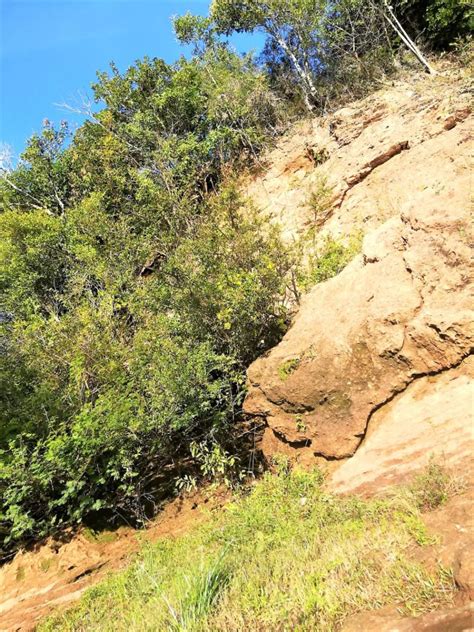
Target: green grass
[
  {"x": 287, "y": 368},
  {"x": 288, "y": 556},
  {"x": 101, "y": 537}
]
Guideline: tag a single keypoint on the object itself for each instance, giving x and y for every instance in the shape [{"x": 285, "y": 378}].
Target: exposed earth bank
[
  {"x": 374, "y": 378},
  {"x": 398, "y": 164}
]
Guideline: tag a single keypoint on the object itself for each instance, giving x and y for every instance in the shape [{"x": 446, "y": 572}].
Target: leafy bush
[
  {"x": 116, "y": 386},
  {"x": 215, "y": 464},
  {"x": 136, "y": 286},
  {"x": 32, "y": 262},
  {"x": 441, "y": 22},
  {"x": 328, "y": 259},
  {"x": 320, "y": 202}
]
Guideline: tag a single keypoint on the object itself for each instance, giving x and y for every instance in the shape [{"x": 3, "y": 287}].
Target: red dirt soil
[{"x": 55, "y": 574}]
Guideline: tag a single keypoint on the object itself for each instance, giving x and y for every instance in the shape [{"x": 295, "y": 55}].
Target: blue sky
[{"x": 50, "y": 51}]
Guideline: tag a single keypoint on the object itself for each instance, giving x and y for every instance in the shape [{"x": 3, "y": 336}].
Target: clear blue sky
[{"x": 51, "y": 49}]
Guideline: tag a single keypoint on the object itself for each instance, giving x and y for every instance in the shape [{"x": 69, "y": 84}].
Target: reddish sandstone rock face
[
  {"x": 464, "y": 569},
  {"x": 401, "y": 310},
  {"x": 406, "y": 139},
  {"x": 430, "y": 418},
  {"x": 375, "y": 376},
  {"x": 453, "y": 620}
]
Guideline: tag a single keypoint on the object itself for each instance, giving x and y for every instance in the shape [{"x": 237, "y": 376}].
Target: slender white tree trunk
[
  {"x": 391, "y": 18},
  {"x": 309, "y": 89}
]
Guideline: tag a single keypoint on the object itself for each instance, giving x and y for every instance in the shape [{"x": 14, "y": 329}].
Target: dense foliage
[
  {"x": 135, "y": 289},
  {"x": 325, "y": 51},
  {"x": 438, "y": 22},
  {"x": 136, "y": 285},
  {"x": 314, "y": 49}
]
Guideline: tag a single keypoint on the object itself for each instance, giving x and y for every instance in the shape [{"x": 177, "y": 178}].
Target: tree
[
  {"x": 134, "y": 289},
  {"x": 293, "y": 24},
  {"x": 392, "y": 19},
  {"x": 41, "y": 179},
  {"x": 327, "y": 45},
  {"x": 437, "y": 22}
]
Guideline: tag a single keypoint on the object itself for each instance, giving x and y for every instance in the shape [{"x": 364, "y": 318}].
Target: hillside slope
[{"x": 378, "y": 373}]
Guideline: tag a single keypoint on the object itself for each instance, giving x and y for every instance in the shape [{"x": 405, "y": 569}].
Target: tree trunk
[
  {"x": 402, "y": 34},
  {"x": 309, "y": 89}
]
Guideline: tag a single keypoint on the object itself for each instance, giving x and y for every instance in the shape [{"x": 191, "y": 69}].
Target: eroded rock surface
[
  {"x": 430, "y": 418},
  {"x": 371, "y": 155},
  {"x": 399, "y": 312},
  {"x": 375, "y": 376},
  {"x": 402, "y": 310}
]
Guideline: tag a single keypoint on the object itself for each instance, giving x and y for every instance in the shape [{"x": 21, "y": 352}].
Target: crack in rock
[
  {"x": 297, "y": 444},
  {"x": 368, "y": 168},
  {"x": 305, "y": 442}
]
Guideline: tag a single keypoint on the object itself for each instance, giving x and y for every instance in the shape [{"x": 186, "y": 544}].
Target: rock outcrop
[
  {"x": 371, "y": 155},
  {"x": 401, "y": 311},
  {"x": 399, "y": 314},
  {"x": 431, "y": 417},
  {"x": 375, "y": 375}
]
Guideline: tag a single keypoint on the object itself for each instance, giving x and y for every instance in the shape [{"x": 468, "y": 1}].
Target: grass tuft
[
  {"x": 432, "y": 487},
  {"x": 201, "y": 592}
]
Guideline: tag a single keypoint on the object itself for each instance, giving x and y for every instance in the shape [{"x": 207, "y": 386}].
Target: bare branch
[
  {"x": 6, "y": 168},
  {"x": 402, "y": 34}
]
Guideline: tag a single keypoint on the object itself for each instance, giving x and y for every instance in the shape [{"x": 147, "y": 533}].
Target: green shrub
[
  {"x": 32, "y": 262},
  {"x": 440, "y": 22},
  {"x": 287, "y": 368},
  {"x": 329, "y": 260},
  {"x": 109, "y": 392},
  {"x": 320, "y": 203},
  {"x": 136, "y": 287}
]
